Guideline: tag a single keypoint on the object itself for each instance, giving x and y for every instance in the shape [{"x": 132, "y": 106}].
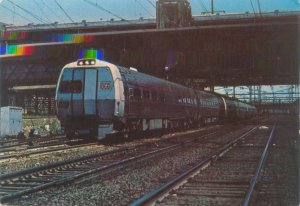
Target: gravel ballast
[{"x": 123, "y": 186}]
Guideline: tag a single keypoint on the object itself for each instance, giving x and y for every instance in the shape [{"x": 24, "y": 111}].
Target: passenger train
[{"x": 97, "y": 98}]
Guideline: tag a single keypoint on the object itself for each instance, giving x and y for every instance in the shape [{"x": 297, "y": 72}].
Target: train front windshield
[
  {"x": 72, "y": 80},
  {"x": 74, "y": 86},
  {"x": 83, "y": 90}
]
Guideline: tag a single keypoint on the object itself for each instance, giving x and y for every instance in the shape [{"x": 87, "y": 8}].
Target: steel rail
[
  {"x": 62, "y": 147},
  {"x": 55, "y": 164},
  {"x": 258, "y": 169},
  {"x": 103, "y": 168},
  {"x": 42, "y": 140},
  {"x": 83, "y": 174},
  {"x": 154, "y": 195}
]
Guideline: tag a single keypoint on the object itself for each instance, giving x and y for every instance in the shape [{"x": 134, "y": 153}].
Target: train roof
[
  {"x": 133, "y": 76},
  {"x": 88, "y": 62},
  {"x": 230, "y": 98}
]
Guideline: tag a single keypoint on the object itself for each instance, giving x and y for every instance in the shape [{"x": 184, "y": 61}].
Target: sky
[{"x": 22, "y": 12}]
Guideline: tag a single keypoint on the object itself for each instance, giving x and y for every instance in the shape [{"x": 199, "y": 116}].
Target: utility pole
[
  {"x": 212, "y": 6},
  {"x": 233, "y": 91},
  {"x": 259, "y": 95},
  {"x": 250, "y": 94}
]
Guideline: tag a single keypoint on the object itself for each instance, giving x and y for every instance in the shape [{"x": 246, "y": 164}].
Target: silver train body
[{"x": 98, "y": 98}]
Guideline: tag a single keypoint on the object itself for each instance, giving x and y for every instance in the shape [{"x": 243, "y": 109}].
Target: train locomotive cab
[{"x": 89, "y": 97}]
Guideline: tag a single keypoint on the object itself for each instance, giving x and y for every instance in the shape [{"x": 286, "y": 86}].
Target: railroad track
[
  {"x": 41, "y": 147},
  {"x": 16, "y": 184},
  {"x": 33, "y": 142},
  {"x": 16, "y": 142},
  {"x": 227, "y": 177},
  {"x": 28, "y": 151}
]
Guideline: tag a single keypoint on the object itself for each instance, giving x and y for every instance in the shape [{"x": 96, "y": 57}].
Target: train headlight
[{"x": 83, "y": 62}]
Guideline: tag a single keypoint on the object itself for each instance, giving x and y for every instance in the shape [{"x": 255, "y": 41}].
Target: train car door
[
  {"x": 90, "y": 96},
  {"x": 126, "y": 93}
]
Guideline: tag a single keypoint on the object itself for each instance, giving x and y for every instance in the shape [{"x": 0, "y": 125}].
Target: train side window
[
  {"x": 162, "y": 98},
  {"x": 74, "y": 86},
  {"x": 64, "y": 87},
  {"x": 146, "y": 94},
  {"x": 154, "y": 96},
  {"x": 137, "y": 93}
]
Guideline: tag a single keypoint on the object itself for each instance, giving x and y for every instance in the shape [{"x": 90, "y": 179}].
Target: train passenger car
[
  {"x": 209, "y": 107},
  {"x": 98, "y": 98},
  {"x": 153, "y": 103},
  {"x": 233, "y": 109},
  {"x": 244, "y": 110}
]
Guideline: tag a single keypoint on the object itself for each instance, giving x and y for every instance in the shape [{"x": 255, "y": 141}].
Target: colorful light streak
[
  {"x": 57, "y": 39},
  {"x": 174, "y": 58},
  {"x": 91, "y": 53},
  {"x": 73, "y": 38},
  {"x": 16, "y": 50}
]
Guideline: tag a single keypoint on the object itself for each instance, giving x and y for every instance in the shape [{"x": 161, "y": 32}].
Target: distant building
[{"x": 173, "y": 13}]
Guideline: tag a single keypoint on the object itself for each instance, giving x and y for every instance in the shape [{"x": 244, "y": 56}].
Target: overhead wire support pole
[
  {"x": 64, "y": 11},
  {"x": 212, "y": 6},
  {"x": 253, "y": 8},
  {"x": 103, "y": 9},
  {"x": 259, "y": 9}
]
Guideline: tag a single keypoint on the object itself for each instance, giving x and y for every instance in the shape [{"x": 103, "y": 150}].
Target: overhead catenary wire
[
  {"x": 152, "y": 4},
  {"x": 28, "y": 12},
  {"x": 259, "y": 9},
  {"x": 41, "y": 10},
  {"x": 204, "y": 7},
  {"x": 51, "y": 10},
  {"x": 253, "y": 8},
  {"x": 137, "y": 1},
  {"x": 16, "y": 13},
  {"x": 64, "y": 11},
  {"x": 103, "y": 9}
]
